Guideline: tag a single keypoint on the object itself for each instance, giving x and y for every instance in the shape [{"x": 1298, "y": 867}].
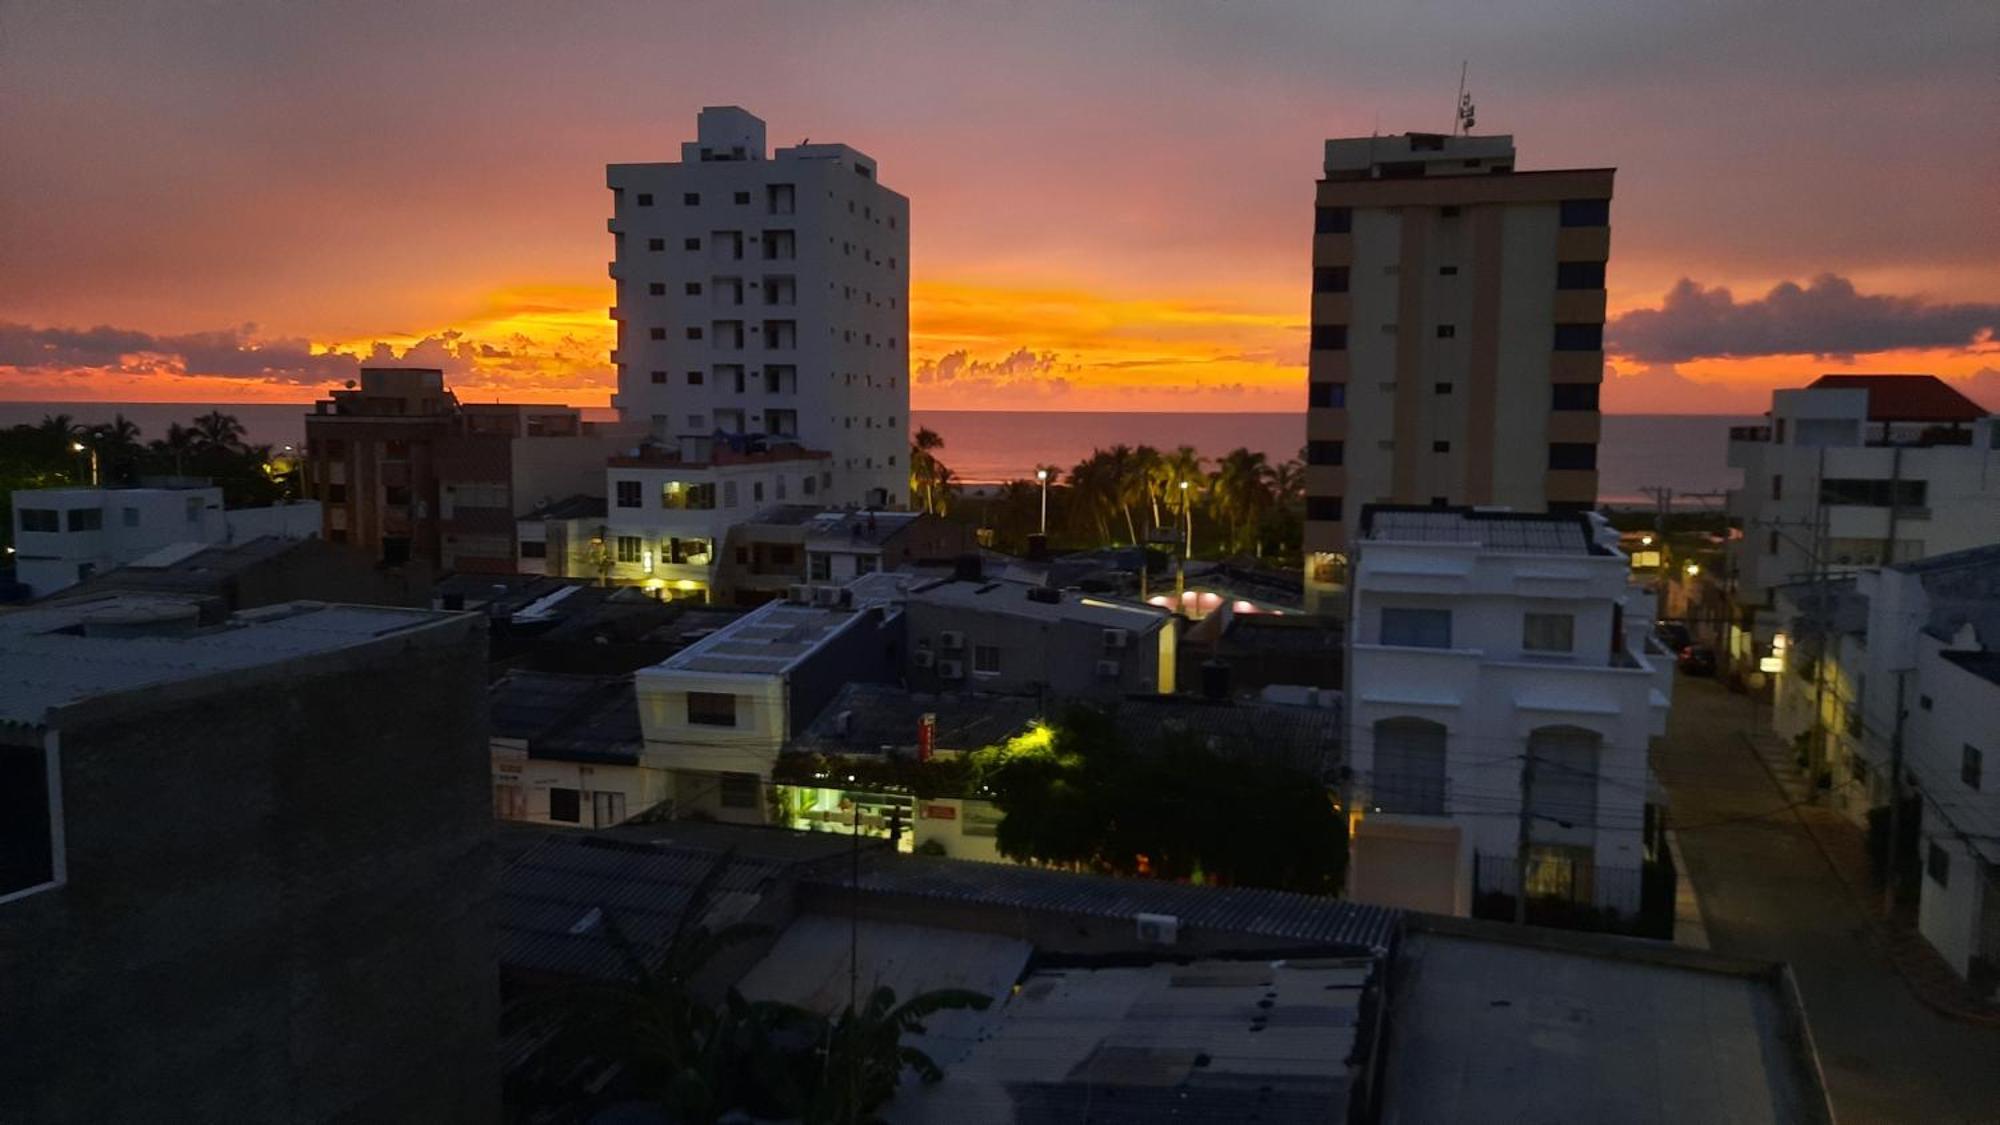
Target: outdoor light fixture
[
  {"x": 1693, "y": 569},
  {"x": 1771, "y": 664},
  {"x": 1645, "y": 541},
  {"x": 1043, "y": 476},
  {"x": 646, "y": 559}
]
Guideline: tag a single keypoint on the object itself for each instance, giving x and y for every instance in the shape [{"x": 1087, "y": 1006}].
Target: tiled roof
[
  {"x": 1310, "y": 920},
  {"x": 1906, "y": 398}
]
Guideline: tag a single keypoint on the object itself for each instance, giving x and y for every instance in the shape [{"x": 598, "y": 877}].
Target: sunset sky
[{"x": 234, "y": 202}]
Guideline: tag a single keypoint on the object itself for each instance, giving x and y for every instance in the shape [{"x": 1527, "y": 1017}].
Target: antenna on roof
[{"x": 1464, "y": 120}]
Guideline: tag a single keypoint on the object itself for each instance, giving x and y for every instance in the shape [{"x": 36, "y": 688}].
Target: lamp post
[
  {"x": 79, "y": 447},
  {"x": 1043, "y": 476},
  {"x": 1187, "y": 513}
]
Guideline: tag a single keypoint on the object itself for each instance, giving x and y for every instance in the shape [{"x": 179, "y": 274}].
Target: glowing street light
[
  {"x": 1187, "y": 512},
  {"x": 1693, "y": 569},
  {"x": 79, "y": 447},
  {"x": 1043, "y": 476}
]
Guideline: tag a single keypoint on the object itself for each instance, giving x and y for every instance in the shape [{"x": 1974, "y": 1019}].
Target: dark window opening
[
  {"x": 711, "y": 708},
  {"x": 1323, "y": 508},
  {"x": 566, "y": 805},
  {"x": 1586, "y": 212},
  {"x": 1579, "y": 275},
  {"x": 1579, "y": 338},
  {"x": 1325, "y": 452},
  {"x": 1572, "y": 455},
  {"x": 1330, "y": 279},
  {"x": 1329, "y": 337},
  {"x": 1326, "y": 396},
  {"x": 1573, "y": 396},
  {"x": 1333, "y": 220}
]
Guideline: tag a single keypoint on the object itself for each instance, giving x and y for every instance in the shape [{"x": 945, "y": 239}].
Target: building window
[
  {"x": 645, "y": 199},
  {"x": 1325, "y": 452},
  {"x": 534, "y": 549},
  {"x": 656, "y": 244},
  {"x": 1777, "y": 486},
  {"x": 1579, "y": 338},
  {"x": 986, "y": 659},
  {"x": 1326, "y": 396},
  {"x": 1333, "y": 220},
  {"x": 1447, "y": 271},
  {"x": 691, "y": 199},
  {"x": 692, "y": 289},
  {"x": 694, "y": 333},
  {"x": 657, "y": 333},
  {"x": 819, "y": 566},
  {"x": 1416, "y": 628},
  {"x": 40, "y": 519},
  {"x": 28, "y": 856},
  {"x": 864, "y": 564},
  {"x": 656, "y": 289},
  {"x": 1771, "y": 548},
  {"x": 1937, "y": 865},
  {"x": 690, "y": 243},
  {"x": 1447, "y": 331},
  {"x": 1858, "y": 492},
  {"x": 1572, "y": 455},
  {"x": 1330, "y": 279},
  {"x": 1440, "y": 447},
  {"x": 1409, "y": 775},
  {"x": 87, "y": 519},
  {"x": 1923, "y": 701},
  {"x": 1573, "y": 396},
  {"x": 1548, "y": 632},
  {"x": 1329, "y": 337},
  {"x": 629, "y": 548},
  {"x": 1440, "y": 388},
  {"x": 628, "y": 494},
  {"x": 1971, "y": 766},
  {"x": 659, "y": 377},
  {"x": 742, "y": 199},
  {"x": 566, "y": 805},
  {"x": 1579, "y": 275},
  {"x": 1326, "y": 508},
  {"x": 1586, "y": 212},
  {"x": 740, "y": 790},
  {"x": 711, "y": 709}
]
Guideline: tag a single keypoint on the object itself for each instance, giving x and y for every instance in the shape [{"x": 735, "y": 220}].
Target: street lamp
[
  {"x": 1043, "y": 476},
  {"x": 79, "y": 447},
  {"x": 1693, "y": 569},
  {"x": 1187, "y": 512}
]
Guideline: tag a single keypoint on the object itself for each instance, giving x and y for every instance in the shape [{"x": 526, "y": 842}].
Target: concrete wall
[
  {"x": 280, "y": 901},
  {"x": 1953, "y": 916},
  {"x": 1037, "y": 655}
]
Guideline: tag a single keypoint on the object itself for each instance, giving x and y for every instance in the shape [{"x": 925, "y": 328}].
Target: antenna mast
[{"x": 1463, "y": 120}]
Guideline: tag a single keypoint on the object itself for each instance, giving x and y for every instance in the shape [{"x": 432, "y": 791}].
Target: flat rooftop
[
  {"x": 55, "y": 655},
  {"x": 1492, "y": 1030},
  {"x": 769, "y": 640},
  {"x": 1529, "y": 532},
  {"x": 1212, "y": 1040},
  {"x": 996, "y": 595}
]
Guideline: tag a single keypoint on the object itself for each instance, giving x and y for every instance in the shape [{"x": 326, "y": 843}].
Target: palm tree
[
  {"x": 924, "y": 464},
  {"x": 216, "y": 430},
  {"x": 1242, "y": 492},
  {"x": 1123, "y": 479},
  {"x": 944, "y": 488},
  {"x": 1152, "y": 470},
  {"x": 179, "y": 444},
  {"x": 1288, "y": 482},
  {"x": 1183, "y": 478},
  {"x": 1090, "y": 492},
  {"x": 865, "y": 1055},
  {"x": 117, "y": 445}
]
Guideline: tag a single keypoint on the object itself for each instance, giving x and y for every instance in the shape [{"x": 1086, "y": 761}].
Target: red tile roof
[{"x": 1906, "y": 398}]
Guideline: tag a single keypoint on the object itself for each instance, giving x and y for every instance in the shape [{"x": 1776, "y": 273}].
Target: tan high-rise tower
[{"x": 1457, "y": 335}]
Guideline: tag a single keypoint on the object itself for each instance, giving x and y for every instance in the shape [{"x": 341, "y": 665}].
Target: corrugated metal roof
[
  {"x": 1310, "y": 920},
  {"x": 559, "y": 902}
]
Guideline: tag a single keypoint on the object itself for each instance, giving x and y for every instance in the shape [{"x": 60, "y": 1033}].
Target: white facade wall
[
  {"x": 808, "y": 253},
  {"x": 606, "y": 794},
  {"x": 101, "y": 528},
  {"x": 1490, "y": 697},
  {"x": 1784, "y": 523},
  {"x": 641, "y": 537},
  {"x": 1956, "y": 915}
]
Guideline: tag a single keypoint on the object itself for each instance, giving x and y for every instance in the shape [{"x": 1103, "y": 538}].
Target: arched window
[
  {"x": 1564, "y": 792},
  {"x": 1409, "y": 766}
]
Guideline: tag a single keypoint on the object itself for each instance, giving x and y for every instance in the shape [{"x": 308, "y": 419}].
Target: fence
[{"x": 1575, "y": 893}]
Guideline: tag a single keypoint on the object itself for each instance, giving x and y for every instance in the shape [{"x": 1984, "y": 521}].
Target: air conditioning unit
[
  {"x": 924, "y": 657},
  {"x": 951, "y": 640},
  {"x": 827, "y": 596},
  {"x": 1109, "y": 669},
  {"x": 951, "y": 669},
  {"x": 1116, "y": 638},
  {"x": 1158, "y": 929},
  {"x": 799, "y": 594}
]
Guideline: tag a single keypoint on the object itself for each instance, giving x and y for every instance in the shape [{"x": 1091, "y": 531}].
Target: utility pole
[
  {"x": 1522, "y": 841},
  {"x": 1895, "y": 801}
]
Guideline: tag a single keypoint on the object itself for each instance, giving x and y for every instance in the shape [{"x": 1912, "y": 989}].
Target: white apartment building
[
  {"x": 1457, "y": 335},
  {"x": 65, "y": 535},
  {"x": 1851, "y": 472},
  {"x": 1914, "y": 662},
  {"x": 670, "y": 510},
  {"x": 767, "y": 293},
  {"x": 716, "y": 714},
  {"x": 1496, "y": 656}
]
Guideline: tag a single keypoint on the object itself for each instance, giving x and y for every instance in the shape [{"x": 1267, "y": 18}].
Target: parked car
[
  {"x": 1674, "y": 635},
  {"x": 1697, "y": 660}
]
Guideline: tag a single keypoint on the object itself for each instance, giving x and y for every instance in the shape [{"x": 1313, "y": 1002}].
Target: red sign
[
  {"x": 939, "y": 812},
  {"x": 926, "y": 736}
]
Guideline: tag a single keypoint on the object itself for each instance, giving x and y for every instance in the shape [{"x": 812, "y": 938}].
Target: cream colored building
[{"x": 1457, "y": 335}]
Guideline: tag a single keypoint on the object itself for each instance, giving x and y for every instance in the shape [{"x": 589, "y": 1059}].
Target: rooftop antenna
[{"x": 1464, "y": 120}]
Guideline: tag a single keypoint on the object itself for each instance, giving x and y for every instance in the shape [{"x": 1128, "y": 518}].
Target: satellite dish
[{"x": 349, "y": 384}]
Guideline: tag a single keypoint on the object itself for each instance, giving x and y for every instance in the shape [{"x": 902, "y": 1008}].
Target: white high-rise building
[{"x": 767, "y": 293}]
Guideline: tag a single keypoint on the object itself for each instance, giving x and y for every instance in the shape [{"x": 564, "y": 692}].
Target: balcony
[{"x": 1750, "y": 433}]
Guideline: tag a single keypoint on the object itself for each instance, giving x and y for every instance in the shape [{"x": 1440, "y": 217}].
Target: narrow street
[{"x": 1766, "y": 890}]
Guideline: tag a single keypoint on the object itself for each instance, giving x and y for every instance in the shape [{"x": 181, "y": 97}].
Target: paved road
[{"x": 1766, "y": 891}]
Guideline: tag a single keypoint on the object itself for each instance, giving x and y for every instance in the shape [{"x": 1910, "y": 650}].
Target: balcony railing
[{"x": 1749, "y": 433}]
